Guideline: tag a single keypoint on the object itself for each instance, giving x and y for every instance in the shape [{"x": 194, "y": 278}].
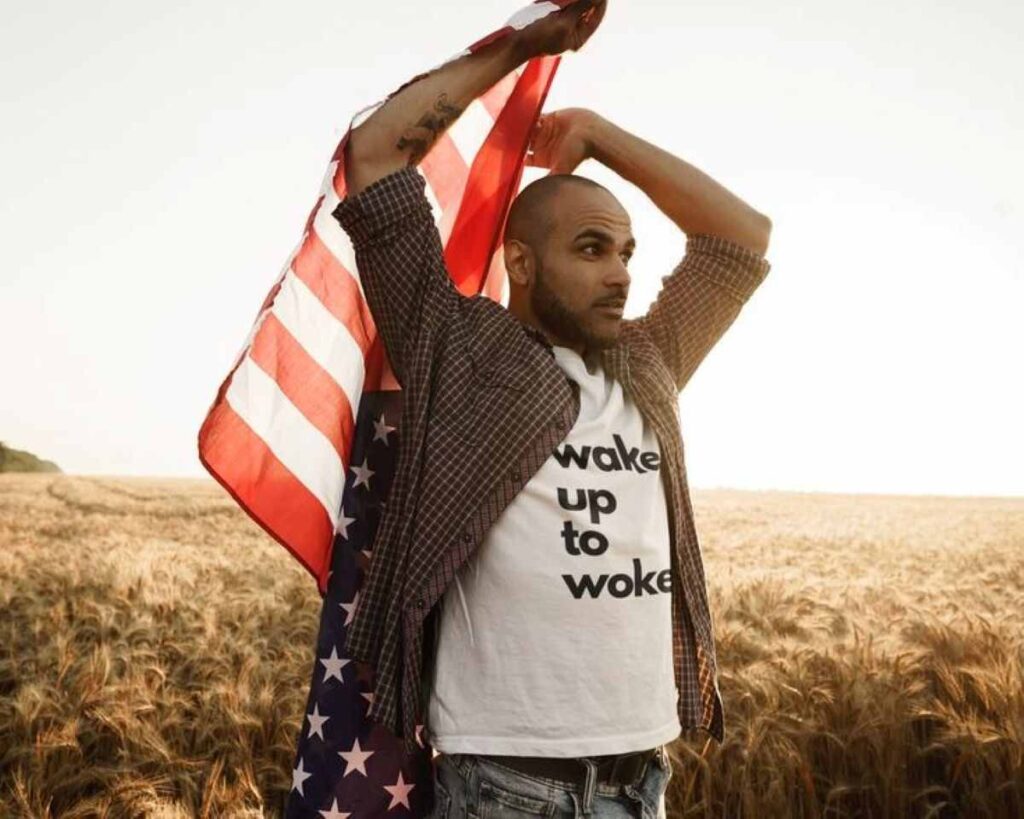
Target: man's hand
[
  {"x": 404, "y": 129},
  {"x": 562, "y": 139},
  {"x": 687, "y": 195},
  {"x": 565, "y": 30}
]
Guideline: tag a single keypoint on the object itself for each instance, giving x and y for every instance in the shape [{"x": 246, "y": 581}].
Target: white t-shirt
[{"x": 555, "y": 638}]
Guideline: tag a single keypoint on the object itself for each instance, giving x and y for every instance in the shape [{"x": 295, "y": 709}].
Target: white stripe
[
  {"x": 326, "y": 340},
  {"x": 520, "y": 20},
  {"x": 259, "y": 319},
  {"x": 435, "y": 206},
  {"x": 327, "y": 183},
  {"x": 531, "y": 13},
  {"x": 334, "y": 237},
  {"x": 364, "y": 114},
  {"x": 470, "y": 130},
  {"x": 299, "y": 445}
]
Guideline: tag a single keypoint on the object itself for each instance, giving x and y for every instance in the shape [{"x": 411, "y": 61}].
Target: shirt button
[
  {"x": 467, "y": 536},
  {"x": 420, "y": 602},
  {"x": 560, "y": 424},
  {"x": 514, "y": 474},
  {"x": 487, "y": 373}
]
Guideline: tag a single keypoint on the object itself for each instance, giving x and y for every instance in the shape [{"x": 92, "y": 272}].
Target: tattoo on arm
[{"x": 424, "y": 133}]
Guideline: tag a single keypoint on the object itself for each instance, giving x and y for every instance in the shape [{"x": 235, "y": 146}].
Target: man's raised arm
[
  {"x": 403, "y": 130},
  {"x": 385, "y": 210},
  {"x": 726, "y": 237}
]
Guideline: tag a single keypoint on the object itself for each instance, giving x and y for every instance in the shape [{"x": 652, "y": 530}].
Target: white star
[
  {"x": 367, "y": 553},
  {"x": 381, "y": 430},
  {"x": 399, "y": 792},
  {"x": 350, "y": 609},
  {"x": 342, "y": 525},
  {"x": 298, "y": 777},
  {"x": 316, "y": 722},
  {"x": 419, "y": 732},
  {"x": 368, "y": 696},
  {"x": 334, "y": 813},
  {"x": 333, "y": 664},
  {"x": 355, "y": 760},
  {"x": 363, "y": 473}
]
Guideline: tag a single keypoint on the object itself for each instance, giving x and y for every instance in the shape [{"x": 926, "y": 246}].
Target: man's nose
[{"x": 619, "y": 277}]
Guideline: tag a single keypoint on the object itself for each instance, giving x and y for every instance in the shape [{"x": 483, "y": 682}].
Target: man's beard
[{"x": 558, "y": 319}]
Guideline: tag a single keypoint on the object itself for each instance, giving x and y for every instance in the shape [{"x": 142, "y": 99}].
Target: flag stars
[
  {"x": 333, "y": 812},
  {"x": 333, "y": 665},
  {"x": 316, "y": 722},
  {"x": 381, "y": 430},
  {"x": 355, "y": 759},
  {"x": 349, "y": 608},
  {"x": 299, "y": 775},
  {"x": 343, "y": 523},
  {"x": 363, "y": 473},
  {"x": 399, "y": 792}
]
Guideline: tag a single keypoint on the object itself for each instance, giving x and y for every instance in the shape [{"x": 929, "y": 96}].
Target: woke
[{"x": 620, "y": 585}]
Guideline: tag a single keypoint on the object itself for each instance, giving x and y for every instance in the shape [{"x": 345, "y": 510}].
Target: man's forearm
[
  {"x": 403, "y": 130},
  {"x": 688, "y": 196}
]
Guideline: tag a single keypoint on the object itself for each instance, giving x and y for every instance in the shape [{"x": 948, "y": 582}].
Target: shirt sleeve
[
  {"x": 399, "y": 260},
  {"x": 700, "y": 300}
]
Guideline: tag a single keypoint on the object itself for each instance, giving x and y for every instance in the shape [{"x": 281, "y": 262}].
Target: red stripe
[
  {"x": 241, "y": 462},
  {"x": 336, "y": 289},
  {"x": 231, "y": 451},
  {"x": 494, "y": 99},
  {"x": 308, "y": 385},
  {"x": 494, "y": 178},
  {"x": 379, "y": 374}
]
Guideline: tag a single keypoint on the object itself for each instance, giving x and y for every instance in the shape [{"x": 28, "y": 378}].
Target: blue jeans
[{"x": 468, "y": 786}]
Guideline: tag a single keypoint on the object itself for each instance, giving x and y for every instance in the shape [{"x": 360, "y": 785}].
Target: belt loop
[{"x": 590, "y": 785}]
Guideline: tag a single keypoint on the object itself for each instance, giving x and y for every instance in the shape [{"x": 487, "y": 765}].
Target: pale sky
[{"x": 159, "y": 161}]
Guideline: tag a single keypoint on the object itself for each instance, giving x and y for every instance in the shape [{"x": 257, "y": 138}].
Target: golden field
[{"x": 156, "y": 648}]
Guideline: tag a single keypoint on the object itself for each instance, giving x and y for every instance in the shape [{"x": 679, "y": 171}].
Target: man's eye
[
  {"x": 626, "y": 257},
  {"x": 591, "y": 247}
]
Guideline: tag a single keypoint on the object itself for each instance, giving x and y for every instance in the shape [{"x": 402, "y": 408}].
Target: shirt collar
[{"x": 607, "y": 356}]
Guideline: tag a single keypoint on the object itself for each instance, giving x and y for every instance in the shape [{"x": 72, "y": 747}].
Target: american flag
[{"x": 303, "y": 431}]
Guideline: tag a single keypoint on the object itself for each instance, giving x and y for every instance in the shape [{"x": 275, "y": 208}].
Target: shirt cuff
[
  {"x": 729, "y": 264},
  {"x": 382, "y": 203}
]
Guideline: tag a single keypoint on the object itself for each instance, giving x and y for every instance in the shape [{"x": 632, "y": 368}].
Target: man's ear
[{"x": 519, "y": 263}]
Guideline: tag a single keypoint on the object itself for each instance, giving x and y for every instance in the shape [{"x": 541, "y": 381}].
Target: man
[{"x": 540, "y": 496}]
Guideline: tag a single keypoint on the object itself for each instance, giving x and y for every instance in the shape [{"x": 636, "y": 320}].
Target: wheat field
[{"x": 156, "y": 648}]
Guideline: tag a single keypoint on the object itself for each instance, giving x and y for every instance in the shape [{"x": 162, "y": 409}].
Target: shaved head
[
  {"x": 532, "y": 215},
  {"x": 567, "y": 243}
]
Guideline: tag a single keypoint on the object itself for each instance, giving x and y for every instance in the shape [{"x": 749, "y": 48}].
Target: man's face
[{"x": 582, "y": 267}]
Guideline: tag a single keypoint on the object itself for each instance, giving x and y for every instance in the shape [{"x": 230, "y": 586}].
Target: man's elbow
[
  {"x": 364, "y": 163},
  {"x": 757, "y": 235}
]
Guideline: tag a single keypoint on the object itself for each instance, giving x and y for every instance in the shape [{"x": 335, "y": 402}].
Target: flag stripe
[
  {"x": 243, "y": 464},
  {"x": 470, "y": 130},
  {"x": 306, "y": 384},
  {"x": 326, "y": 340},
  {"x": 494, "y": 178},
  {"x": 314, "y": 347},
  {"x": 329, "y": 279},
  {"x": 300, "y": 447},
  {"x": 446, "y": 171}
]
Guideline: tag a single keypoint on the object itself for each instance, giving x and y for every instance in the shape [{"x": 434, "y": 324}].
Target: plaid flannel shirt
[{"x": 484, "y": 405}]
